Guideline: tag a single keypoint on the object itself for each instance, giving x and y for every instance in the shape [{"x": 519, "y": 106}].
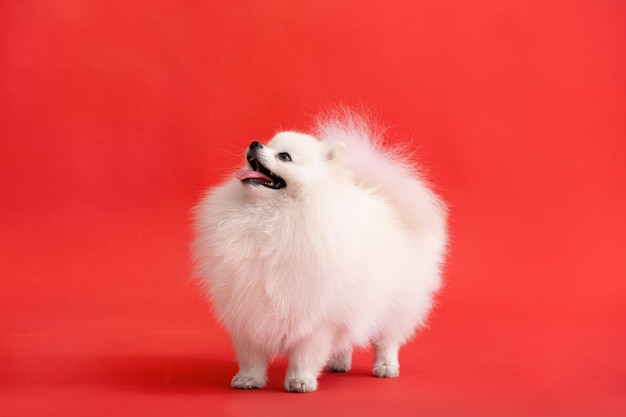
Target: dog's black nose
[{"x": 255, "y": 145}]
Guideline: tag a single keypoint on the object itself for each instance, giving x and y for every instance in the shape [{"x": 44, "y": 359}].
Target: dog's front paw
[
  {"x": 301, "y": 384},
  {"x": 246, "y": 382},
  {"x": 386, "y": 371}
]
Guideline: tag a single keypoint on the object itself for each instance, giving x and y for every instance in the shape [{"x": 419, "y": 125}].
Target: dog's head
[{"x": 290, "y": 163}]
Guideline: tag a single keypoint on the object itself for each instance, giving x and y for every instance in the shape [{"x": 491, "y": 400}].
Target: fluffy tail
[{"x": 387, "y": 169}]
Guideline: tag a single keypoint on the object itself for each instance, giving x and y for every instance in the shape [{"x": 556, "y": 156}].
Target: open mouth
[{"x": 259, "y": 174}]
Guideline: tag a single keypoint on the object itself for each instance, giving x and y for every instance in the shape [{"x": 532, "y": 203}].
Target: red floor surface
[{"x": 116, "y": 115}]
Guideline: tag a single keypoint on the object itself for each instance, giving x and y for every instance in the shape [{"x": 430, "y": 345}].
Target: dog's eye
[{"x": 284, "y": 156}]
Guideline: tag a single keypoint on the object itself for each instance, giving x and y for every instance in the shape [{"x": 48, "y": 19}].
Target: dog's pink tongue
[{"x": 246, "y": 174}]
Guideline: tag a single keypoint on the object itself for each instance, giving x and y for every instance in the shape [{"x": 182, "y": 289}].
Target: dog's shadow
[
  {"x": 161, "y": 373},
  {"x": 172, "y": 374}
]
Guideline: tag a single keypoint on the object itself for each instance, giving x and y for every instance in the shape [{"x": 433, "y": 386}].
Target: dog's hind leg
[
  {"x": 386, "y": 364},
  {"x": 252, "y": 367},
  {"x": 306, "y": 361},
  {"x": 340, "y": 362}
]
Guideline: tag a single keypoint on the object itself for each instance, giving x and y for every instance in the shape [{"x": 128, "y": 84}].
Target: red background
[{"x": 116, "y": 115}]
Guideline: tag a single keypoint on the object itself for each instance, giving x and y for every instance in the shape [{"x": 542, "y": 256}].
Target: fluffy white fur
[{"x": 347, "y": 254}]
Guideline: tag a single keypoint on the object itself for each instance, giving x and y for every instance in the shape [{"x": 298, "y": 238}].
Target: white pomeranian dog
[{"x": 322, "y": 243}]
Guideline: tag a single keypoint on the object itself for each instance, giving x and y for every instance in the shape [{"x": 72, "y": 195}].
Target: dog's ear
[{"x": 337, "y": 153}]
